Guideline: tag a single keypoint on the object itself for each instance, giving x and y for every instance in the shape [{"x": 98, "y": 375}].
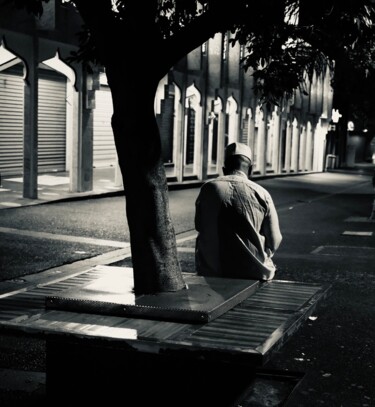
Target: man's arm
[{"x": 271, "y": 228}]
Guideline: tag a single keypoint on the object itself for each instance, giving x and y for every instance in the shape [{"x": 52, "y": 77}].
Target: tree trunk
[{"x": 152, "y": 237}]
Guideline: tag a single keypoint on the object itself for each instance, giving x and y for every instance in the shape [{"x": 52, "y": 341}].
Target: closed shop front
[
  {"x": 11, "y": 120},
  {"x": 51, "y": 121}
]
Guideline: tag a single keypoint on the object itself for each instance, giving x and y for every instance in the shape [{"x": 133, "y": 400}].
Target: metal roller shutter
[
  {"x": 104, "y": 145},
  {"x": 11, "y": 121},
  {"x": 51, "y": 121}
]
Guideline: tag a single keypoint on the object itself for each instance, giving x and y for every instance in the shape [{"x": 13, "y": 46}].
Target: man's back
[{"x": 238, "y": 229}]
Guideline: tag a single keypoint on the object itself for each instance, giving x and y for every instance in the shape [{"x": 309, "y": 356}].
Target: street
[{"x": 326, "y": 239}]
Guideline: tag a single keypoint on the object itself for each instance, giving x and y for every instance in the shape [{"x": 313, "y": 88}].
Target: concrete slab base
[{"x": 112, "y": 294}]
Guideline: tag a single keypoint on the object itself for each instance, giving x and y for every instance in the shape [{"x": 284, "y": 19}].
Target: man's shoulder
[
  {"x": 215, "y": 184},
  {"x": 221, "y": 179}
]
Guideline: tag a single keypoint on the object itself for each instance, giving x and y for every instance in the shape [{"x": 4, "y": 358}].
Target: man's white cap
[{"x": 238, "y": 149}]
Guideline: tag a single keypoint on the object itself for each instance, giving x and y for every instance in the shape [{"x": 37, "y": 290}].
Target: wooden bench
[{"x": 148, "y": 362}]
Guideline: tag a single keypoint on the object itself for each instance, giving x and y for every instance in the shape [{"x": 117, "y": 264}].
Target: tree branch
[
  {"x": 137, "y": 8},
  {"x": 100, "y": 21},
  {"x": 201, "y": 29},
  {"x": 94, "y": 15},
  {"x": 140, "y": 16}
]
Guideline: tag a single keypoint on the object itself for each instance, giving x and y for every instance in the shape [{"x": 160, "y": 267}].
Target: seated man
[{"x": 237, "y": 223}]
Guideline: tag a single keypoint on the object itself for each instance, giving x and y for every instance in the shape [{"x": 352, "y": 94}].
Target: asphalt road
[
  {"x": 318, "y": 215},
  {"x": 53, "y": 234}
]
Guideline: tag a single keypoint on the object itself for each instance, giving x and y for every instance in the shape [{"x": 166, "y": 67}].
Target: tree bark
[{"x": 152, "y": 237}]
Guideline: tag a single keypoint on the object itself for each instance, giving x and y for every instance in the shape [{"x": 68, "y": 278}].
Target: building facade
[
  {"x": 207, "y": 101},
  {"x": 55, "y": 116}
]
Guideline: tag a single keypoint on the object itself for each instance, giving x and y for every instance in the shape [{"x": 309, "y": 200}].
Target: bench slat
[{"x": 256, "y": 327}]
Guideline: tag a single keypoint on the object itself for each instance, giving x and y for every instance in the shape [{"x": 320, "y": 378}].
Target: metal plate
[{"x": 112, "y": 294}]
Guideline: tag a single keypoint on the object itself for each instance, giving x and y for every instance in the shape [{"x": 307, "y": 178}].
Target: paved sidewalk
[{"x": 55, "y": 186}]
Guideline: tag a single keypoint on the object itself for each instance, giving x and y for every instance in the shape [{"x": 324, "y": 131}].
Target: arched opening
[
  {"x": 282, "y": 148},
  {"x": 309, "y": 147},
  {"x": 193, "y": 131},
  {"x": 302, "y": 149},
  {"x": 104, "y": 149},
  {"x": 56, "y": 103},
  {"x": 277, "y": 131},
  {"x": 251, "y": 129},
  {"x": 295, "y": 145},
  {"x": 215, "y": 136},
  {"x": 270, "y": 141},
  {"x": 288, "y": 146},
  {"x": 164, "y": 111},
  {"x": 231, "y": 121},
  {"x": 255, "y": 146},
  {"x": 245, "y": 126},
  {"x": 177, "y": 170}
]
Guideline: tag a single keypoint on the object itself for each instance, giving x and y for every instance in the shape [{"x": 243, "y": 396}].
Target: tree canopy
[{"x": 283, "y": 40}]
